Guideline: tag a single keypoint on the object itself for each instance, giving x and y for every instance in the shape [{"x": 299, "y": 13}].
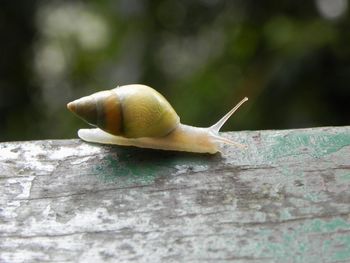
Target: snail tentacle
[
  {"x": 217, "y": 126},
  {"x": 214, "y": 129}
]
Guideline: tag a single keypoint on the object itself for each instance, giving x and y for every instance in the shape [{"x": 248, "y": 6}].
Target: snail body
[{"x": 137, "y": 115}]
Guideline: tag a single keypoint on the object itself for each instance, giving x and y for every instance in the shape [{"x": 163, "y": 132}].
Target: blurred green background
[{"x": 291, "y": 58}]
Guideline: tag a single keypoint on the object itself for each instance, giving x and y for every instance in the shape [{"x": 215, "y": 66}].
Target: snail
[{"x": 137, "y": 115}]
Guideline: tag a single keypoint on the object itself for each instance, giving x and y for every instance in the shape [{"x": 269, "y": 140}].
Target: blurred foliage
[{"x": 291, "y": 58}]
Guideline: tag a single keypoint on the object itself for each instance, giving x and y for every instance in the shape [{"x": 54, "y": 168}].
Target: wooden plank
[{"x": 285, "y": 199}]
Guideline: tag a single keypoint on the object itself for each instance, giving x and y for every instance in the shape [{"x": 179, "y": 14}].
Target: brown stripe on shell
[{"x": 109, "y": 112}]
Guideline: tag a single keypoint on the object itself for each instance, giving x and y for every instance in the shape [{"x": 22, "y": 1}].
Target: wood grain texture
[{"x": 284, "y": 199}]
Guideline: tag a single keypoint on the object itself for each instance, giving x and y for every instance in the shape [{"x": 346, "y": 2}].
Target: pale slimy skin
[{"x": 183, "y": 138}]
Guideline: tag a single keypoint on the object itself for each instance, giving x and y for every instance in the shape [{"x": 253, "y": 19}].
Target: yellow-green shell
[{"x": 131, "y": 111}]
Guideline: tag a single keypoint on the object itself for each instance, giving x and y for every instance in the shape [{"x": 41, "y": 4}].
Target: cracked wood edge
[{"x": 286, "y": 198}]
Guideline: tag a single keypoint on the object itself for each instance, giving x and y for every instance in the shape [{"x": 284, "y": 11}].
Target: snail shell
[
  {"x": 132, "y": 111},
  {"x": 137, "y": 115}
]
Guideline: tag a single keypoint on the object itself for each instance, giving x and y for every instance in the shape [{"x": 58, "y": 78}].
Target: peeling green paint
[
  {"x": 285, "y": 214},
  {"x": 344, "y": 249},
  {"x": 112, "y": 169},
  {"x": 317, "y": 144},
  {"x": 301, "y": 243},
  {"x": 318, "y": 225},
  {"x": 315, "y": 196},
  {"x": 143, "y": 166},
  {"x": 344, "y": 177}
]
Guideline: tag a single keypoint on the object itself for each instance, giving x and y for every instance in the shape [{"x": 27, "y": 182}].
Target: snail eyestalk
[
  {"x": 214, "y": 129},
  {"x": 217, "y": 126}
]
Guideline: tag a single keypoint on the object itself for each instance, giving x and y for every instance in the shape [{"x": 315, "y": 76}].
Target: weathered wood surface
[{"x": 285, "y": 199}]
